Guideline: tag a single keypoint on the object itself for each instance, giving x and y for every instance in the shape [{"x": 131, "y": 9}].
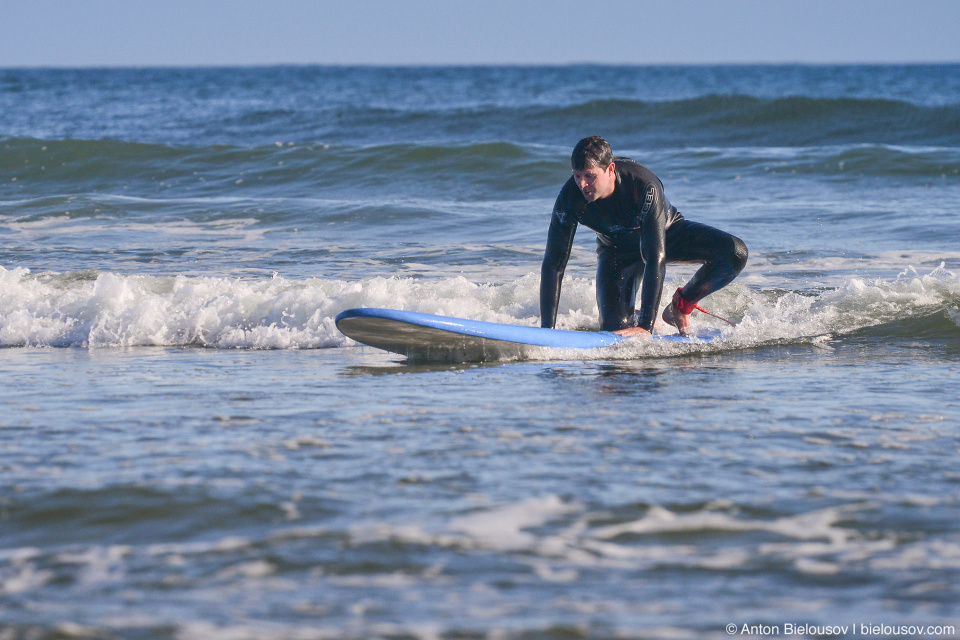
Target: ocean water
[{"x": 189, "y": 449}]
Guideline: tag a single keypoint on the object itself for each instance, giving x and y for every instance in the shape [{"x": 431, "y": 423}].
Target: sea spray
[{"x": 109, "y": 309}]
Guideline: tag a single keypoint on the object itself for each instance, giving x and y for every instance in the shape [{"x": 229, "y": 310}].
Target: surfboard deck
[{"x": 424, "y": 335}]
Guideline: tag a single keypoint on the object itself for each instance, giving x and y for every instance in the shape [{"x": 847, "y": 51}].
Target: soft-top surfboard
[{"x": 425, "y": 335}]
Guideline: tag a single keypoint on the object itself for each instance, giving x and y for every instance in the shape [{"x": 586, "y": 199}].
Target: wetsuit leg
[
  {"x": 723, "y": 256},
  {"x": 618, "y": 277}
]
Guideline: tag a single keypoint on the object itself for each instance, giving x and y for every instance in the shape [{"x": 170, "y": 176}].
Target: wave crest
[{"x": 87, "y": 309}]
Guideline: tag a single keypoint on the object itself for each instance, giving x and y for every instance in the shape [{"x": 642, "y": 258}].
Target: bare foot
[
  {"x": 674, "y": 318},
  {"x": 630, "y": 332}
]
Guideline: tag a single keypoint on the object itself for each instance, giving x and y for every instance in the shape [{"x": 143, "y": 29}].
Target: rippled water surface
[{"x": 189, "y": 449}]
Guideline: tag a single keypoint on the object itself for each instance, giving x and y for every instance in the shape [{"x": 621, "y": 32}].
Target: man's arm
[
  {"x": 555, "y": 257},
  {"x": 653, "y": 241}
]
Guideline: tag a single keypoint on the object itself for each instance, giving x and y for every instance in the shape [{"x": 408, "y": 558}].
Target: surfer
[{"x": 638, "y": 233}]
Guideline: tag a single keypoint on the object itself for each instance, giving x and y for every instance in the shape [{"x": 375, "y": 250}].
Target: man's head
[
  {"x": 593, "y": 168},
  {"x": 593, "y": 151}
]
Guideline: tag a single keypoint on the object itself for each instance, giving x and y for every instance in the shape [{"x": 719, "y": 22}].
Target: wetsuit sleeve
[
  {"x": 559, "y": 242},
  {"x": 653, "y": 248}
]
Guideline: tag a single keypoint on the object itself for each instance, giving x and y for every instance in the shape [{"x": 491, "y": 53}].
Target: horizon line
[{"x": 438, "y": 65}]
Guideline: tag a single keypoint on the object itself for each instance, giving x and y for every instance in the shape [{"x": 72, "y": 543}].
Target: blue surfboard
[{"x": 423, "y": 335}]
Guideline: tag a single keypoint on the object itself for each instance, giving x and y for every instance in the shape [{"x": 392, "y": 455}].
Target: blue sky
[{"x": 239, "y": 32}]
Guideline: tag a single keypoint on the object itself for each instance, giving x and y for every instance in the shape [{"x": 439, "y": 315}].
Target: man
[{"x": 638, "y": 232}]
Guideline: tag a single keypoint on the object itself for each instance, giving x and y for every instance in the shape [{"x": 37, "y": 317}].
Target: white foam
[
  {"x": 558, "y": 540},
  {"x": 260, "y": 630},
  {"x": 86, "y": 309},
  {"x": 19, "y": 572},
  {"x": 810, "y": 526},
  {"x": 503, "y": 527}
]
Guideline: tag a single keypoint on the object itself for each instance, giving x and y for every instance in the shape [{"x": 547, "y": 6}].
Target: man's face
[{"x": 595, "y": 182}]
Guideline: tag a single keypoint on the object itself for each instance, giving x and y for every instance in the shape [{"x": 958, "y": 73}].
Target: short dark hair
[{"x": 592, "y": 151}]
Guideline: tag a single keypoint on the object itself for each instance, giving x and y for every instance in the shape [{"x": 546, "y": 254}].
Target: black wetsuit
[{"x": 638, "y": 232}]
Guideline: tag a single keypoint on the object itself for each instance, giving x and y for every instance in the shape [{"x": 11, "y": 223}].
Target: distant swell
[
  {"x": 792, "y": 121},
  {"x": 495, "y": 169},
  {"x": 712, "y": 119},
  {"x": 708, "y": 119}
]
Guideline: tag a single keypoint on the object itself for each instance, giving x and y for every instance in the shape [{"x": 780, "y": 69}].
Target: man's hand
[{"x": 630, "y": 332}]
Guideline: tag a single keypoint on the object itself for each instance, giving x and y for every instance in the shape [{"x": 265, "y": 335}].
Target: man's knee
[{"x": 739, "y": 254}]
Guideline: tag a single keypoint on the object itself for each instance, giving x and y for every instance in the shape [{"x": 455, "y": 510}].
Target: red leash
[
  {"x": 686, "y": 308},
  {"x": 714, "y": 315}
]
